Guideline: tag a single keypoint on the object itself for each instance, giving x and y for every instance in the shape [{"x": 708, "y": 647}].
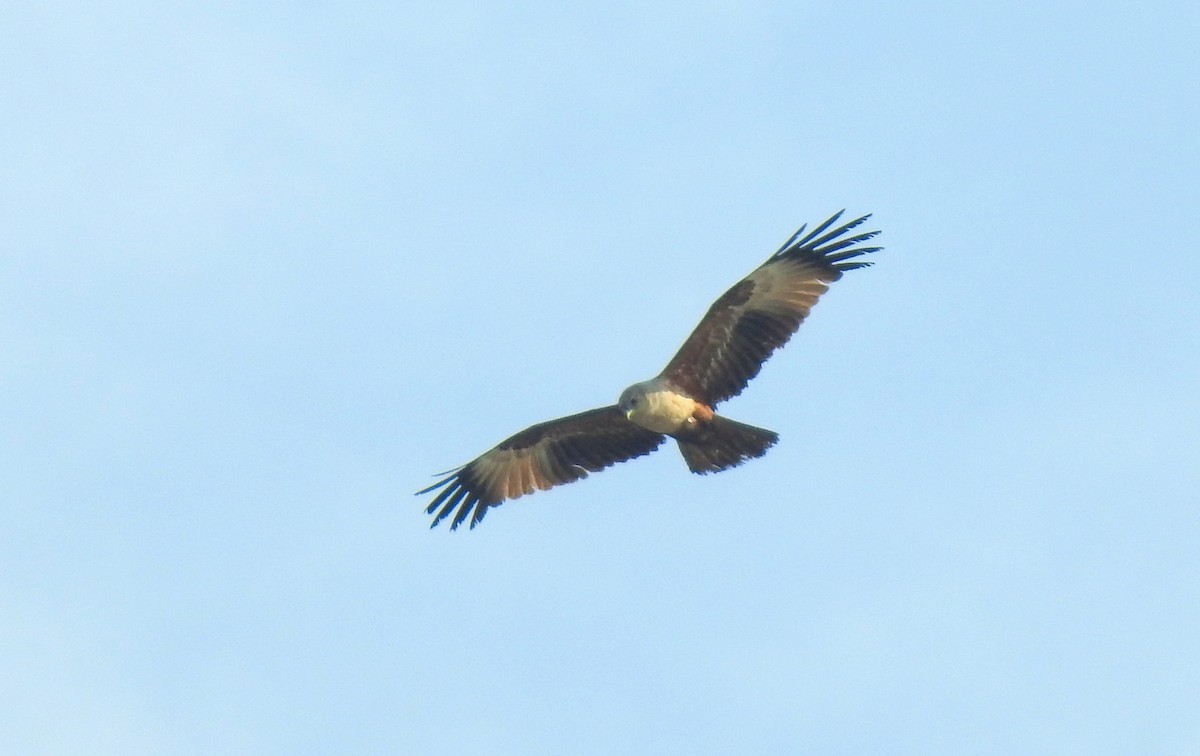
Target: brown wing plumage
[
  {"x": 540, "y": 457},
  {"x": 762, "y": 311}
]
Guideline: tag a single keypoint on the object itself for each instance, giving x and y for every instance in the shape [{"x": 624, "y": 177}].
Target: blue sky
[{"x": 267, "y": 267}]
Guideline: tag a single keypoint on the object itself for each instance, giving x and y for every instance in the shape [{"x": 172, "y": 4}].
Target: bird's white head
[{"x": 632, "y": 399}]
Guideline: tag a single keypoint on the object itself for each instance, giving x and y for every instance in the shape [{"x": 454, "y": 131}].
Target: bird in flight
[{"x": 727, "y": 349}]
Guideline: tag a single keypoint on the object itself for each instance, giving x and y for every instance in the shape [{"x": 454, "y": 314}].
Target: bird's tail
[{"x": 721, "y": 443}]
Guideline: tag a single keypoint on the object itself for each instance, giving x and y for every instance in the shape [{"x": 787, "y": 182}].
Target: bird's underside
[{"x": 716, "y": 362}]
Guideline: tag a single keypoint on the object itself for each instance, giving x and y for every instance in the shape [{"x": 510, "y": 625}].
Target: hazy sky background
[{"x": 264, "y": 268}]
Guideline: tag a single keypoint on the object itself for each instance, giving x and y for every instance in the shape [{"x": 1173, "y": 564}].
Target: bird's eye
[{"x": 633, "y": 401}]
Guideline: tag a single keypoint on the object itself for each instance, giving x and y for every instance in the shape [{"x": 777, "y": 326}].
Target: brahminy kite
[{"x": 728, "y": 348}]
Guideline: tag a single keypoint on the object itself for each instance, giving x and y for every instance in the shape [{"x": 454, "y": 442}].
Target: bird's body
[
  {"x": 659, "y": 406},
  {"x": 724, "y": 352}
]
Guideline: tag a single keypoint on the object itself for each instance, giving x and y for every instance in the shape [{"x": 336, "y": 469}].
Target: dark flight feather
[
  {"x": 760, "y": 313},
  {"x": 540, "y": 457}
]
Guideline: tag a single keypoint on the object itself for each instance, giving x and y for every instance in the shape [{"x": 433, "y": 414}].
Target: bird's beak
[{"x": 629, "y": 414}]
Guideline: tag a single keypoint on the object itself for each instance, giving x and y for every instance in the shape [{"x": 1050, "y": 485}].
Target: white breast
[{"x": 664, "y": 410}]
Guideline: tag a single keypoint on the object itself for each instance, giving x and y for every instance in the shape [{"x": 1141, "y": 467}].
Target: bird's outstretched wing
[
  {"x": 540, "y": 457},
  {"x": 762, "y": 311}
]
